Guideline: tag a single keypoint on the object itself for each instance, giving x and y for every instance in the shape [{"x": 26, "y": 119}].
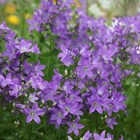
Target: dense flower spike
[
  {"x": 16, "y": 73},
  {"x": 95, "y": 82},
  {"x": 94, "y": 55}
]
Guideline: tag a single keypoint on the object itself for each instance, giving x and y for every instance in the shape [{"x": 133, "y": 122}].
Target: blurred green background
[{"x": 16, "y": 12}]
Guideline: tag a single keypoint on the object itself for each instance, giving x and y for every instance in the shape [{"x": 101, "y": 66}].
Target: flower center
[
  {"x": 60, "y": 114},
  {"x": 67, "y": 109},
  {"x": 32, "y": 113},
  {"x": 73, "y": 125},
  {"x": 23, "y": 49},
  {"x": 85, "y": 68},
  {"x": 95, "y": 104},
  {"x": 30, "y": 98},
  {"x": 110, "y": 106}
]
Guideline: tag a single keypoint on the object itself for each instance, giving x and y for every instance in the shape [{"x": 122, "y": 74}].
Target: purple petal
[
  {"x": 59, "y": 120},
  {"x": 87, "y": 135},
  {"x": 80, "y": 126},
  {"x": 37, "y": 119},
  {"x": 69, "y": 130},
  {"x": 100, "y": 110},
  {"x": 35, "y": 106},
  {"x": 96, "y": 136},
  {"x": 91, "y": 110},
  {"x": 27, "y": 110},
  {"x": 40, "y": 112},
  {"x": 103, "y": 133},
  {"x": 90, "y": 74},
  {"x": 28, "y": 119},
  {"x": 76, "y": 132}
]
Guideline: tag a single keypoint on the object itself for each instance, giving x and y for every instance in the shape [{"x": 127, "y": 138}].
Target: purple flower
[
  {"x": 67, "y": 87},
  {"x": 110, "y": 107},
  {"x": 50, "y": 95},
  {"x": 32, "y": 98},
  {"x": 35, "y": 49},
  {"x": 111, "y": 121},
  {"x": 5, "y": 81},
  {"x": 115, "y": 104},
  {"x": 87, "y": 135},
  {"x": 38, "y": 83},
  {"x": 107, "y": 52},
  {"x": 10, "y": 51},
  {"x": 85, "y": 68},
  {"x": 95, "y": 103},
  {"x": 24, "y": 46},
  {"x": 57, "y": 116},
  {"x": 74, "y": 127},
  {"x": 102, "y": 136},
  {"x": 72, "y": 108},
  {"x": 38, "y": 69},
  {"x": 74, "y": 96},
  {"x": 65, "y": 56},
  {"x": 15, "y": 90},
  {"x": 33, "y": 113}
]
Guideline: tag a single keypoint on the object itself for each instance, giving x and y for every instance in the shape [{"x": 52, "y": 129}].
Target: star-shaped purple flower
[
  {"x": 74, "y": 127},
  {"x": 33, "y": 113},
  {"x": 95, "y": 103},
  {"x": 65, "y": 56}
]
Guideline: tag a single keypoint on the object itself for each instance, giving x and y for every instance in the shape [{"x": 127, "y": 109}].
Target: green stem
[
  {"x": 24, "y": 128},
  {"x": 30, "y": 131}
]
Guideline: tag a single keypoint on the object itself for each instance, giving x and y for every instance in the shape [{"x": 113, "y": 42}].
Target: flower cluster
[
  {"x": 18, "y": 78},
  {"x": 95, "y": 136},
  {"x": 97, "y": 52},
  {"x": 96, "y": 55}
]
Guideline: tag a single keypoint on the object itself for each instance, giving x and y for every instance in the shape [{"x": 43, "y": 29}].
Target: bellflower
[
  {"x": 57, "y": 116},
  {"x": 74, "y": 127},
  {"x": 33, "y": 113},
  {"x": 95, "y": 102},
  {"x": 110, "y": 122},
  {"x": 65, "y": 56},
  {"x": 102, "y": 136},
  {"x": 33, "y": 98},
  {"x": 94, "y": 55},
  {"x": 87, "y": 135}
]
